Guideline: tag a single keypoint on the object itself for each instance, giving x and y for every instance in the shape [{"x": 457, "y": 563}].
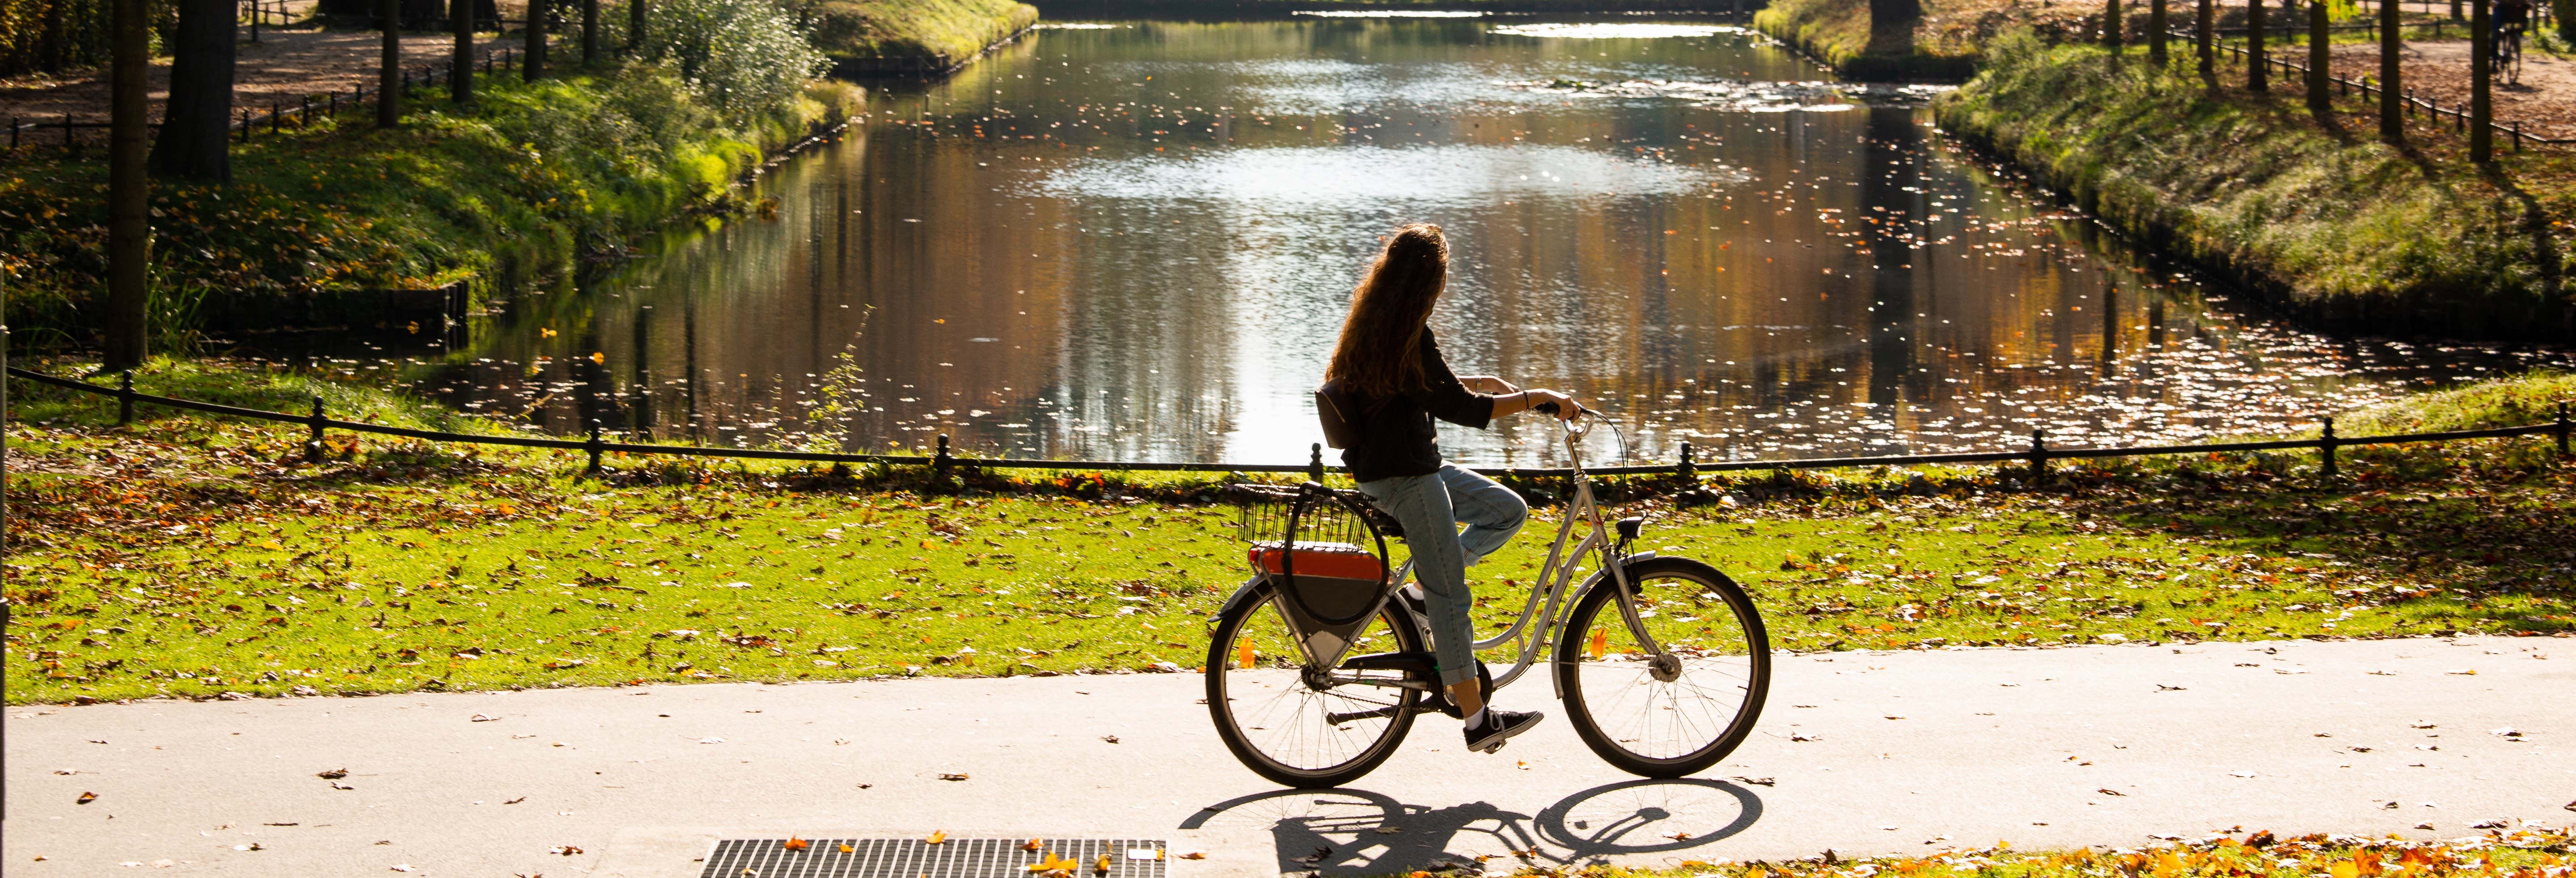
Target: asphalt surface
[{"x": 1863, "y": 753}]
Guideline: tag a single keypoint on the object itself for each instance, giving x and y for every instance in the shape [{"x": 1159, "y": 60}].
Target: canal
[{"x": 1132, "y": 240}]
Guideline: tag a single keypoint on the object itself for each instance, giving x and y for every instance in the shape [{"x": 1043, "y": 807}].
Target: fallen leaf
[
  {"x": 480, "y": 718},
  {"x": 1195, "y": 855},
  {"x": 2107, "y": 791},
  {"x": 1031, "y": 845},
  {"x": 85, "y": 798},
  {"x": 566, "y": 850},
  {"x": 341, "y": 786},
  {"x": 1110, "y": 738},
  {"x": 848, "y": 849},
  {"x": 1758, "y": 781},
  {"x": 516, "y": 801},
  {"x": 939, "y": 837},
  {"x": 334, "y": 774},
  {"x": 949, "y": 776}
]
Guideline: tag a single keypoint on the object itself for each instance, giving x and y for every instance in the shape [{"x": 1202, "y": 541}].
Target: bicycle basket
[{"x": 1326, "y": 562}]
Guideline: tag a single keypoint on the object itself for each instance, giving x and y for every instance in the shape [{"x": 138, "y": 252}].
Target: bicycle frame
[{"x": 1555, "y": 582}]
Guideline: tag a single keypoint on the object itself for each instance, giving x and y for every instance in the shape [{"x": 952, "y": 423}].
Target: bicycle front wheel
[
  {"x": 1671, "y": 715},
  {"x": 1296, "y": 725}
]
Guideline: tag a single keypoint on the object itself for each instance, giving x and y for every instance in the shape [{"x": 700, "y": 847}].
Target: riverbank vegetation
[
  {"x": 2311, "y": 210},
  {"x": 519, "y": 185},
  {"x": 950, "y": 32},
  {"x": 397, "y": 566}
]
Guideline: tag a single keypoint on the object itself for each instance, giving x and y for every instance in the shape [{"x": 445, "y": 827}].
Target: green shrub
[{"x": 743, "y": 57}]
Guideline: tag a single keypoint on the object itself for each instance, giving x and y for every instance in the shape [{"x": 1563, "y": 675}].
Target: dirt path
[
  {"x": 2544, "y": 100},
  {"x": 286, "y": 63}
]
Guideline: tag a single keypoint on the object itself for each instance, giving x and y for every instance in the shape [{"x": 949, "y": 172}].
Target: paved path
[{"x": 2046, "y": 748}]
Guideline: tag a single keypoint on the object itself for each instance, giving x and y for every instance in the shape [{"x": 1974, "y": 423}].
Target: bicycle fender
[{"x": 1243, "y": 594}]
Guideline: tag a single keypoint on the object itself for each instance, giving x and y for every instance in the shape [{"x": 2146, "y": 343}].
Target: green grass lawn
[{"x": 191, "y": 557}]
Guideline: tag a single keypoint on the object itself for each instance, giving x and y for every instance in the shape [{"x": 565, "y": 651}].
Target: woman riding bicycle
[{"x": 1388, "y": 380}]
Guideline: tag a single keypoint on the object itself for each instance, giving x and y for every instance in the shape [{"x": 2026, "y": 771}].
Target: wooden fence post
[
  {"x": 2562, "y": 430},
  {"x": 125, "y": 398},
  {"x": 1315, "y": 462},
  {"x": 940, "y": 461},
  {"x": 1689, "y": 468},
  {"x": 2038, "y": 455},
  {"x": 593, "y": 446},
  {"x": 313, "y": 440}
]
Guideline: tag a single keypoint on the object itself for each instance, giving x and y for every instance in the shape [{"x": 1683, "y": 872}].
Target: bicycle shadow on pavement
[{"x": 1354, "y": 831}]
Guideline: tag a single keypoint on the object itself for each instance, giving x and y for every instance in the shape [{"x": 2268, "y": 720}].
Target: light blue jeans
[{"x": 1430, "y": 507}]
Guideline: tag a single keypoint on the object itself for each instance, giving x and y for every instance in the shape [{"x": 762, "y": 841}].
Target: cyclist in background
[
  {"x": 1388, "y": 381},
  {"x": 2512, "y": 18}
]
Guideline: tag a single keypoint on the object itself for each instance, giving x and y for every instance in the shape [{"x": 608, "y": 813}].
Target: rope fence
[{"x": 942, "y": 461}]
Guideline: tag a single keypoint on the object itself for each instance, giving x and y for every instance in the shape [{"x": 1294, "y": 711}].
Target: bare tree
[
  {"x": 589, "y": 31},
  {"x": 534, "y": 65},
  {"x": 2392, "y": 112},
  {"x": 460, "y": 69},
  {"x": 129, "y": 188},
  {"x": 193, "y": 144},
  {"x": 2111, "y": 25},
  {"x": 2320, "y": 58},
  {"x": 2481, "y": 82},
  {"x": 2156, "y": 36},
  {"x": 389, "y": 76}
]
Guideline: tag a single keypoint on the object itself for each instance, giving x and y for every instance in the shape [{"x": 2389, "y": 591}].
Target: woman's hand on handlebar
[{"x": 1562, "y": 406}]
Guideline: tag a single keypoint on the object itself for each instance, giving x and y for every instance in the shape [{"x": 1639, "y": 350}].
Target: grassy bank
[
  {"x": 517, "y": 186},
  {"x": 393, "y": 566},
  {"x": 950, "y": 31},
  {"x": 2310, "y": 210}
]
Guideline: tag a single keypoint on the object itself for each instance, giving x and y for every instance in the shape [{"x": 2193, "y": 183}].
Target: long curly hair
[{"x": 1379, "y": 351}]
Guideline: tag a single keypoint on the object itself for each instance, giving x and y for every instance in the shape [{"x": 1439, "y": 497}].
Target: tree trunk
[
  {"x": 2481, "y": 84},
  {"x": 57, "y": 51},
  {"x": 635, "y": 24},
  {"x": 2392, "y": 110},
  {"x": 129, "y": 189},
  {"x": 193, "y": 144},
  {"x": 589, "y": 31},
  {"x": 2156, "y": 36},
  {"x": 460, "y": 70},
  {"x": 2204, "y": 38},
  {"x": 2111, "y": 25},
  {"x": 2564, "y": 13},
  {"x": 389, "y": 76},
  {"x": 2320, "y": 58},
  {"x": 2258, "y": 77},
  {"x": 535, "y": 64}
]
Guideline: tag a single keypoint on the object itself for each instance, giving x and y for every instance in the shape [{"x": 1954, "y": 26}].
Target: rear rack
[{"x": 1331, "y": 516}]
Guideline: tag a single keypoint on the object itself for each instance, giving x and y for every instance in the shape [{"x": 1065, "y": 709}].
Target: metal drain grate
[{"x": 914, "y": 858}]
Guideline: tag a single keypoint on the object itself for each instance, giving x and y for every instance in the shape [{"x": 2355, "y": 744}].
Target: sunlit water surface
[{"x": 1134, "y": 241}]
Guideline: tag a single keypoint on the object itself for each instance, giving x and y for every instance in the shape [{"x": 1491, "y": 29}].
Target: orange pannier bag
[{"x": 1327, "y": 560}]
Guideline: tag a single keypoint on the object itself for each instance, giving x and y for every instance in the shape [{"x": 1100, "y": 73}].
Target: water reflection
[{"x": 1135, "y": 242}]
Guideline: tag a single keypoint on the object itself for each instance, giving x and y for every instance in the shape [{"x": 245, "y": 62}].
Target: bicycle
[
  {"x": 2508, "y": 54},
  {"x": 1662, "y": 662}
]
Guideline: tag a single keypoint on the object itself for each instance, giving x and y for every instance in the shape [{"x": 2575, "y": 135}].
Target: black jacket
[{"x": 1395, "y": 435}]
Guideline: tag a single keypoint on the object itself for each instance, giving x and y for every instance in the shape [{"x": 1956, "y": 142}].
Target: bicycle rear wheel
[
  {"x": 1670, "y": 717},
  {"x": 1296, "y": 725}
]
